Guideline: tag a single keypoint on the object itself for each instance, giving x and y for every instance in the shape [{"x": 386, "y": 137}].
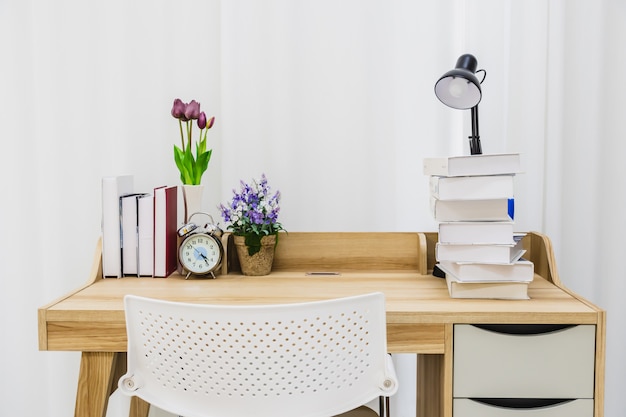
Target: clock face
[{"x": 200, "y": 253}]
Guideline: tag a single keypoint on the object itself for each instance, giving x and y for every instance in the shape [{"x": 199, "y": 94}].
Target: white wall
[{"x": 333, "y": 100}]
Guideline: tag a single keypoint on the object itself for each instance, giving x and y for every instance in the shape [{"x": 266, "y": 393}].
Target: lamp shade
[{"x": 459, "y": 88}]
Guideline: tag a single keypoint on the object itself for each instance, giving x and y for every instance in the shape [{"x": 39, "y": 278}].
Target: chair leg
[{"x": 383, "y": 407}]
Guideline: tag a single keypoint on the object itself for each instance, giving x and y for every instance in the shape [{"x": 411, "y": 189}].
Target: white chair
[{"x": 314, "y": 359}]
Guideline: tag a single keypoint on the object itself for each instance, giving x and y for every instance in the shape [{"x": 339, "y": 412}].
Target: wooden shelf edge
[
  {"x": 540, "y": 253},
  {"x": 94, "y": 275},
  {"x": 225, "y": 261},
  {"x": 96, "y": 267},
  {"x": 422, "y": 253}
]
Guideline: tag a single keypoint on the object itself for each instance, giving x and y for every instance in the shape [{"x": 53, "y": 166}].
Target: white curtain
[{"x": 333, "y": 100}]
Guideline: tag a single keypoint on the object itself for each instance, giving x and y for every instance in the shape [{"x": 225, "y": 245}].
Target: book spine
[
  {"x": 171, "y": 228},
  {"x": 113, "y": 187},
  {"x": 481, "y": 187},
  {"x": 145, "y": 221},
  {"x": 129, "y": 234},
  {"x": 165, "y": 225}
]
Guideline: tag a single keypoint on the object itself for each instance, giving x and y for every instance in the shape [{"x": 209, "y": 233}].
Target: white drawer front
[
  {"x": 469, "y": 408},
  {"x": 558, "y": 364}
]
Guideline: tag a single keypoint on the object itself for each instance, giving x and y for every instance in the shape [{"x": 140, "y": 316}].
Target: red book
[{"x": 165, "y": 225}]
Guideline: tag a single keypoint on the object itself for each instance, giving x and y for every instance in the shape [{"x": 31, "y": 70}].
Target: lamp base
[{"x": 474, "y": 144}]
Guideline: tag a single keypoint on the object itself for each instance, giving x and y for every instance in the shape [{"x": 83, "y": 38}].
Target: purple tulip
[
  {"x": 192, "y": 111},
  {"x": 202, "y": 120},
  {"x": 178, "y": 109},
  {"x": 210, "y": 122}
]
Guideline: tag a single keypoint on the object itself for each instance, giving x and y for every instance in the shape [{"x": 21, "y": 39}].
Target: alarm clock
[{"x": 200, "y": 252}]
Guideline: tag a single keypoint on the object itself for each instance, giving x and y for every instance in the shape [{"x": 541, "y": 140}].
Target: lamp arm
[{"x": 474, "y": 143}]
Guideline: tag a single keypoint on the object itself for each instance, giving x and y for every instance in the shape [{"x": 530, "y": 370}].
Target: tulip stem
[
  {"x": 189, "y": 126},
  {"x": 182, "y": 137}
]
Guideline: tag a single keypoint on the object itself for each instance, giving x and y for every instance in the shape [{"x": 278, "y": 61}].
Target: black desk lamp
[{"x": 460, "y": 89}]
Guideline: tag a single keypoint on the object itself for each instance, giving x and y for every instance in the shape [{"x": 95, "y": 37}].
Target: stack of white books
[{"x": 472, "y": 198}]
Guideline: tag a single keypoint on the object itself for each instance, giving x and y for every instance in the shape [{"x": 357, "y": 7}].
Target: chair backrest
[{"x": 313, "y": 359}]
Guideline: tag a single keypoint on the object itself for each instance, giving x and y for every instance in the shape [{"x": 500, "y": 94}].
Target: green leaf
[
  {"x": 184, "y": 163},
  {"x": 202, "y": 164},
  {"x": 192, "y": 169},
  {"x": 179, "y": 157},
  {"x": 253, "y": 242},
  {"x": 201, "y": 146}
]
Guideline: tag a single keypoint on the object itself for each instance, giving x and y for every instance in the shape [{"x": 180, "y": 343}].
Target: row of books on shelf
[
  {"x": 478, "y": 251},
  {"x": 138, "y": 229}
]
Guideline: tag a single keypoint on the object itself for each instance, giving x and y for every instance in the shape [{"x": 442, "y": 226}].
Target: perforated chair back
[{"x": 314, "y": 359}]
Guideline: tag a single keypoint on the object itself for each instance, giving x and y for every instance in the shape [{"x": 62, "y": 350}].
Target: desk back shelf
[
  {"x": 362, "y": 251},
  {"x": 375, "y": 251},
  {"x": 341, "y": 252}
]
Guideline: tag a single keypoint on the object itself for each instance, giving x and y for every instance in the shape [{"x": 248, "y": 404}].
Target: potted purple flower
[{"x": 252, "y": 217}]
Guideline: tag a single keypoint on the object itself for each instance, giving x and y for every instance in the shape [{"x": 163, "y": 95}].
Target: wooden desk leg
[
  {"x": 138, "y": 407},
  {"x": 430, "y": 382},
  {"x": 97, "y": 370}
]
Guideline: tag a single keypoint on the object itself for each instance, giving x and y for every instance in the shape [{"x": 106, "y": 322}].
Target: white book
[
  {"x": 499, "y": 233},
  {"x": 130, "y": 238},
  {"x": 466, "y": 165},
  {"x": 482, "y": 187},
  {"x": 113, "y": 187},
  {"x": 145, "y": 233},
  {"x": 502, "y": 290},
  {"x": 497, "y": 254},
  {"x": 521, "y": 271},
  {"x": 501, "y": 209}
]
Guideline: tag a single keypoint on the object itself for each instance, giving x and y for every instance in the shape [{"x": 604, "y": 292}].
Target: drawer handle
[
  {"x": 523, "y": 329},
  {"x": 522, "y": 403}
]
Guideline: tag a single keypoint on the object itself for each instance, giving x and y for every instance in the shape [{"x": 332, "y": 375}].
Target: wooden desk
[{"x": 420, "y": 314}]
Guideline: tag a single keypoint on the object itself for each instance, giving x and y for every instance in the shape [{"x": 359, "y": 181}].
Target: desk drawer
[
  {"x": 494, "y": 364},
  {"x": 465, "y": 407}
]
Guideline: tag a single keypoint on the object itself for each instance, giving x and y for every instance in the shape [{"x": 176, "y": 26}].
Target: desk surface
[
  {"x": 410, "y": 297},
  {"x": 92, "y": 318}
]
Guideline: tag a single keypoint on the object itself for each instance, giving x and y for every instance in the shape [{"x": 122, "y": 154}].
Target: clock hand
[{"x": 202, "y": 254}]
